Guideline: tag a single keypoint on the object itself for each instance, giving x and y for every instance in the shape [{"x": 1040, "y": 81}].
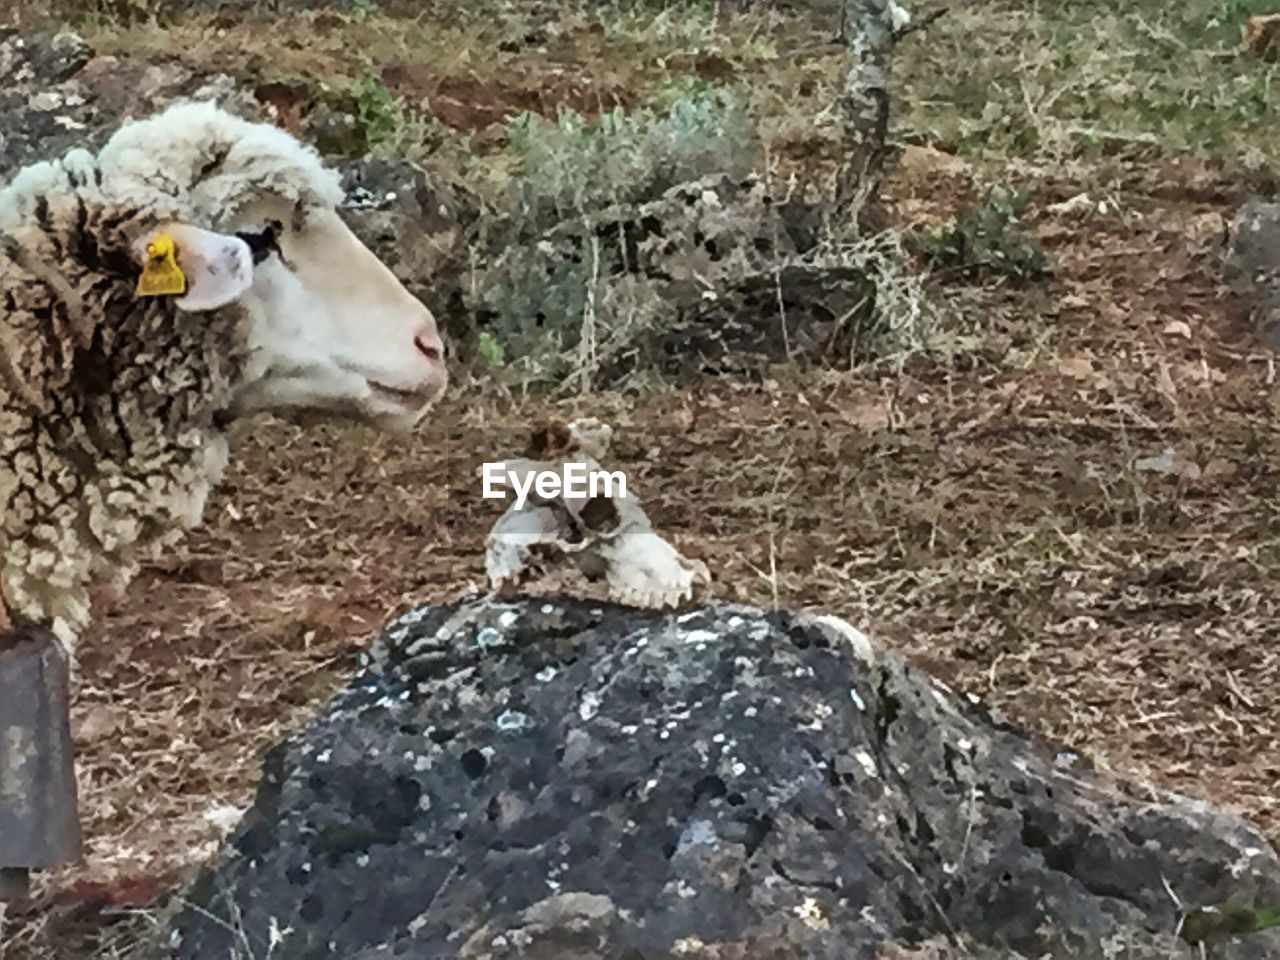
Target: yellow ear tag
[{"x": 161, "y": 275}]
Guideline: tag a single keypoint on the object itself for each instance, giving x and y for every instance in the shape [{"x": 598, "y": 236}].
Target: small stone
[
  {"x": 513, "y": 721},
  {"x": 867, "y": 764},
  {"x": 1260, "y": 36}
]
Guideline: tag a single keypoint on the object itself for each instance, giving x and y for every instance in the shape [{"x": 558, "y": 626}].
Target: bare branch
[
  {"x": 865, "y": 100},
  {"x": 928, "y": 19}
]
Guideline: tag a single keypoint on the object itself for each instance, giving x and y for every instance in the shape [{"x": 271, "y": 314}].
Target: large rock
[
  {"x": 718, "y": 275},
  {"x": 1252, "y": 263},
  {"x": 417, "y": 223},
  {"x": 55, "y": 95},
  {"x": 552, "y": 779}
]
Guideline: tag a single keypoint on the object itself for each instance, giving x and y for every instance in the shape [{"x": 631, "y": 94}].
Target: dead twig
[{"x": 929, "y": 18}]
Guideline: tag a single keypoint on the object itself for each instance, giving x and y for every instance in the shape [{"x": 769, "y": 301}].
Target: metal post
[
  {"x": 15, "y": 884},
  {"x": 39, "y": 815}
]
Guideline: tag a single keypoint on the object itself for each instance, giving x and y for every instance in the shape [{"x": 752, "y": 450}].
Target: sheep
[{"x": 194, "y": 272}]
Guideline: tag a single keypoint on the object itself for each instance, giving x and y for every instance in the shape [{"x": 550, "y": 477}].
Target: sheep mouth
[{"x": 420, "y": 395}]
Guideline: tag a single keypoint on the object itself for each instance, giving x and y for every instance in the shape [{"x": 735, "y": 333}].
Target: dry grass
[
  {"x": 1091, "y": 88},
  {"x": 986, "y": 516},
  {"x": 998, "y": 512}
]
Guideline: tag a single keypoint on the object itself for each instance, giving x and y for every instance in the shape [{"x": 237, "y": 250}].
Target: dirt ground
[
  {"x": 1072, "y": 516},
  {"x": 989, "y": 525}
]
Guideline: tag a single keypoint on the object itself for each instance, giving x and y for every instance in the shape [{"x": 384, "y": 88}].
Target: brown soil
[
  {"x": 471, "y": 103},
  {"x": 988, "y": 522}
]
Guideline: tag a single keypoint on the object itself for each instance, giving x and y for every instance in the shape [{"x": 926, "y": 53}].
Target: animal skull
[{"x": 609, "y": 537}]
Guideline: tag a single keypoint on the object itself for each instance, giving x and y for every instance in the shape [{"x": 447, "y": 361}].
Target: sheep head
[
  {"x": 331, "y": 327},
  {"x": 116, "y": 387}
]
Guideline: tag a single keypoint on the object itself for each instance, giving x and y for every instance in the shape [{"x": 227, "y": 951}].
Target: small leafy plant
[
  {"x": 378, "y": 111},
  {"x": 574, "y": 165},
  {"x": 1236, "y": 12},
  {"x": 1219, "y": 923},
  {"x": 988, "y": 239},
  {"x": 490, "y": 350}
]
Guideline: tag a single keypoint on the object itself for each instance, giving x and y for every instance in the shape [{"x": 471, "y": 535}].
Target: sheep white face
[{"x": 331, "y": 326}]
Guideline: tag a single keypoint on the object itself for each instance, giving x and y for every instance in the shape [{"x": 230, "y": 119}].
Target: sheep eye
[{"x": 262, "y": 241}]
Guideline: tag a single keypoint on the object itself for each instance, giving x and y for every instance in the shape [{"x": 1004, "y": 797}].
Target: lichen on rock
[{"x": 726, "y": 782}]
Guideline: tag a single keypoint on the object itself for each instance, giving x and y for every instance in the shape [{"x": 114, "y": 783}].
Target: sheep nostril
[{"x": 429, "y": 347}]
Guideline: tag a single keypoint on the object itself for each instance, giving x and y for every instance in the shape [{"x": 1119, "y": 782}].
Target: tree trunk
[{"x": 869, "y": 34}]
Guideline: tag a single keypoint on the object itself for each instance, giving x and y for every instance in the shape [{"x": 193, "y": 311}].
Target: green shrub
[
  {"x": 566, "y": 241},
  {"x": 642, "y": 242},
  {"x": 571, "y": 166},
  {"x": 987, "y": 239},
  {"x": 1236, "y": 12},
  {"x": 378, "y": 111}
]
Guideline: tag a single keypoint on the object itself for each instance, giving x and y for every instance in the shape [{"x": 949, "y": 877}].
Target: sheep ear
[{"x": 208, "y": 269}]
